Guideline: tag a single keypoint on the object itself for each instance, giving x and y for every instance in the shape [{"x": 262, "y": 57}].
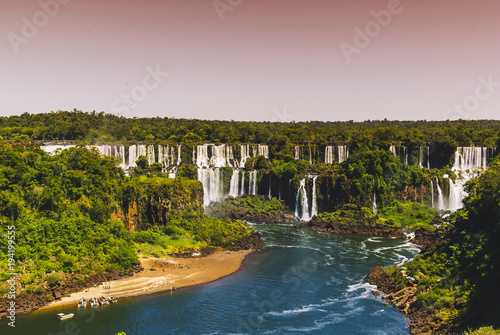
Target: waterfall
[
  {"x": 393, "y": 150},
  {"x": 302, "y": 202},
  {"x": 245, "y": 154},
  {"x": 134, "y": 151},
  {"x": 252, "y": 180},
  {"x": 150, "y": 152},
  {"x": 269, "y": 196},
  {"x": 329, "y": 154},
  {"x": 401, "y": 153},
  {"x": 261, "y": 150},
  {"x": 469, "y": 163},
  {"x": 210, "y": 172},
  {"x": 467, "y": 158},
  {"x": 53, "y": 149},
  {"x": 455, "y": 196},
  {"x": 234, "y": 184},
  {"x": 423, "y": 156},
  {"x": 216, "y": 159},
  {"x": 296, "y": 152},
  {"x": 310, "y": 155},
  {"x": 242, "y": 189},
  {"x": 374, "y": 206},
  {"x": 342, "y": 153},
  {"x": 169, "y": 157},
  {"x": 440, "y": 202},
  {"x": 212, "y": 185},
  {"x": 314, "y": 210}
]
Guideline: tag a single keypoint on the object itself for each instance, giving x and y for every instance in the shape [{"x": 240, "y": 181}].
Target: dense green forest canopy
[
  {"x": 91, "y": 128},
  {"x": 64, "y": 209}
]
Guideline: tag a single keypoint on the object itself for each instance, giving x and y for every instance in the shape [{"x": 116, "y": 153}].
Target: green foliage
[
  {"x": 459, "y": 279},
  {"x": 61, "y": 207},
  {"x": 53, "y": 278},
  {"x": 409, "y": 214}
]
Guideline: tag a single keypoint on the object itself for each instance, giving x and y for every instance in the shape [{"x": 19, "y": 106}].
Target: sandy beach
[{"x": 163, "y": 274}]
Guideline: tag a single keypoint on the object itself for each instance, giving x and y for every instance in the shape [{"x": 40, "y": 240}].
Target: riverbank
[
  {"x": 403, "y": 294},
  {"x": 163, "y": 274}
]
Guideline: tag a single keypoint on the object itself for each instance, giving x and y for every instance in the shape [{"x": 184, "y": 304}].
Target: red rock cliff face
[
  {"x": 158, "y": 200},
  {"x": 128, "y": 216}
]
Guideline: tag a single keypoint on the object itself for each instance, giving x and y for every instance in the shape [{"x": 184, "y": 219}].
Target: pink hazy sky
[{"x": 271, "y": 60}]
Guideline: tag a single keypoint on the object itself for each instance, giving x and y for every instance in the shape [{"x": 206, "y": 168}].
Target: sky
[{"x": 257, "y": 60}]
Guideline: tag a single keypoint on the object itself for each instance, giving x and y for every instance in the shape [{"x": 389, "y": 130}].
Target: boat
[
  {"x": 82, "y": 303},
  {"x": 112, "y": 300},
  {"x": 62, "y": 316},
  {"x": 93, "y": 302},
  {"x": 102, "y": 300}
]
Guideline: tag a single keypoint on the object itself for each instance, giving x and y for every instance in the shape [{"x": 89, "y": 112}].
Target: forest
[
  {"x": 66, "y": 213},
  {"x": 78, "y": 211},
  {"x": 91, "y": 128}
]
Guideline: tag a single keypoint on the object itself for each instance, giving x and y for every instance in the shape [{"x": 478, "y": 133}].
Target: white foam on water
[
  {"x": 410, "y": 236},
  {"x": 375, "y": 239}
]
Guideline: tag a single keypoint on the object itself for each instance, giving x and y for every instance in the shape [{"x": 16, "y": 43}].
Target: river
[{"x": 301, "y": 282}]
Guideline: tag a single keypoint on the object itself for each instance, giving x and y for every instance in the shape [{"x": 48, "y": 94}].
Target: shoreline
[{"x": 161, "y": 275}]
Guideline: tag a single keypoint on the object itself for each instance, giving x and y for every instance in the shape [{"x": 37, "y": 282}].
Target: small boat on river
[
  {"x": 93, "y": 302},
  {"x": 62, "y": 316},
  {"x": 102, "y": 300},
  {"x": 82, "y": 303}
]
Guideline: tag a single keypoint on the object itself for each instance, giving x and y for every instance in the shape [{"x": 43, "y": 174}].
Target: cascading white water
[
  {"x": 260, "y": 150},
  {"x": 329, "y": 154},
  {"x": 401, "y": 153},
  {"x": 296, "y": 152},
  {"x": 423, "y": 156},
  {"x": 170, "y": 158},
  {"x": 234, "y": 184},
  {"x": 469, "y": 163},
  {"x": 134, "y": 151},
  {"x": 374, "y": 205},
  {"x": 252, "y": 181},
  {"x": 302, "y": 201},
  {"x": 440, "y": 201},
  {"x": 455, "y": 196},
  {"x": 342, "y": 153},
  {"x": 53, "y": 149},
  {"x": 245, "y": 154},
  {"x": 242, "y": 188},
  {"x": 150, "y": 152},
  {"x": 393, "y": 150},
  {"x": 314, "y": 209},
  {"x": 212, "y": 186}
]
